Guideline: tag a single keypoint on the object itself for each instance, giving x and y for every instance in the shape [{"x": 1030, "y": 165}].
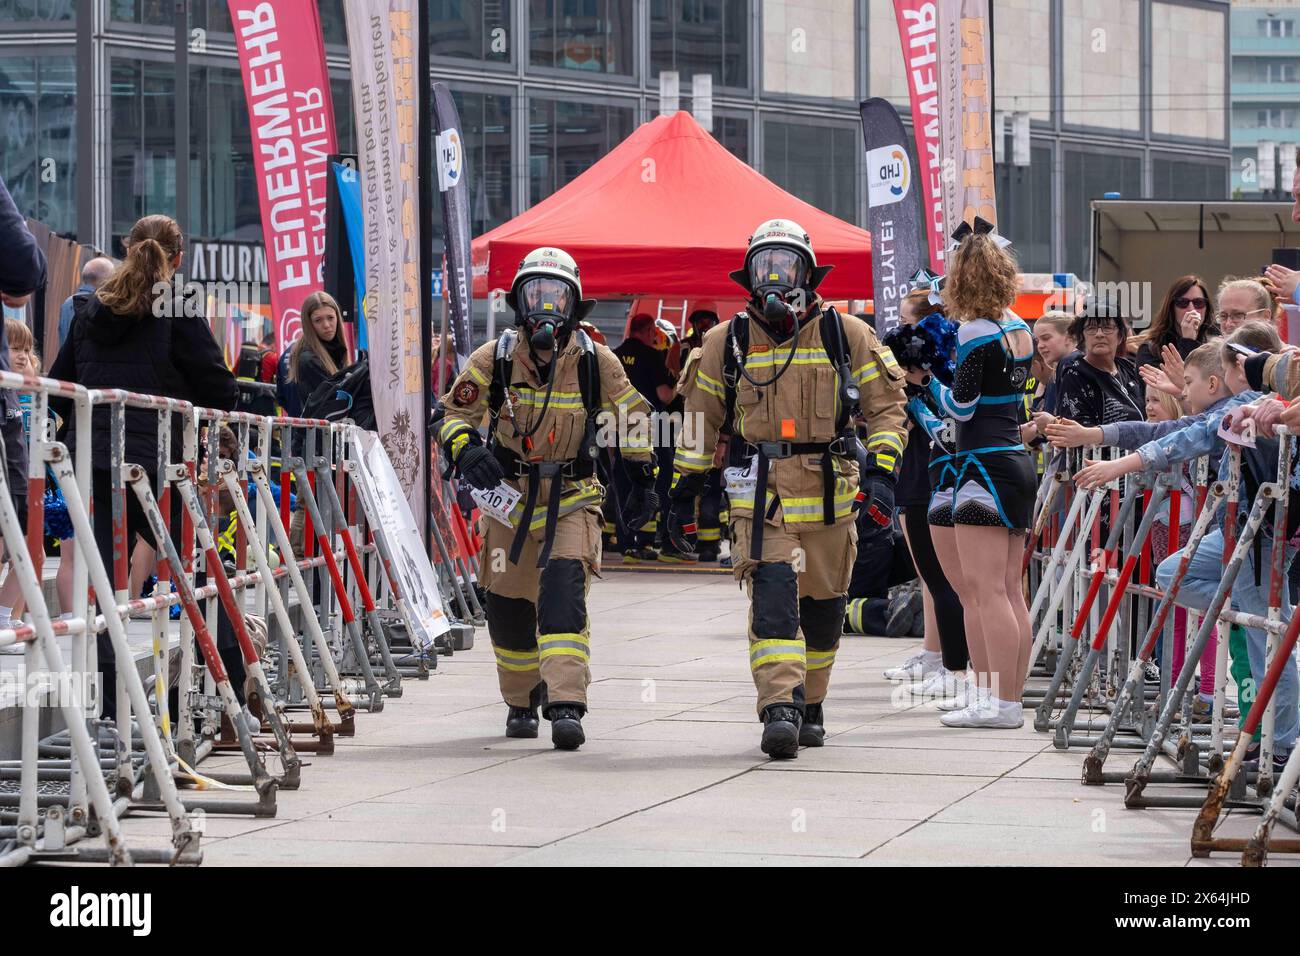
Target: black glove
[
  {"x": 642, "y": 473},
  {"x": 879, "y": 503},
  {"x": 642, "y": 509},
  {"x": 681, "y": 514},
  {"x": 479, "y": 467}
]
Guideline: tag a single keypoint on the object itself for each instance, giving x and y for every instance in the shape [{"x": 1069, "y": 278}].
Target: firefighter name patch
[{"x": 466, "y": 394}]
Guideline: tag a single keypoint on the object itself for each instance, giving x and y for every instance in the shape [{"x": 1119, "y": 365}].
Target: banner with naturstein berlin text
[
  {"x": 291, "y": 118},
  {"x": 966, "y": 124},
  {"x": 382, "y": 49},
  {"x": 894, "y": 216},
  {"x": 918, "y": 29}
]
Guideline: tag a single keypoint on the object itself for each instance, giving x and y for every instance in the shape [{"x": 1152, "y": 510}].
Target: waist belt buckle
[
  {"x": 775, "y": 450},
  {"x": 550, "y": 469}
]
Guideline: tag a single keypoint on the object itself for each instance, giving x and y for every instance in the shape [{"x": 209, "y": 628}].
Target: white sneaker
[
  {"x": 987, "y": 711},
  {"x": 917, "y": 667},
  {"x": 941, "y": 683},
  {"x": 963, "y": 694}
]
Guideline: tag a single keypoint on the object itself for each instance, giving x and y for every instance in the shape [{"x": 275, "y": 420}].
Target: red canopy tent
[{"x": 668, "y": 212}]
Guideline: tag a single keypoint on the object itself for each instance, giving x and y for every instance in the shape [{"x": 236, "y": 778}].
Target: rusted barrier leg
[
  {"x": 257, "y": 547},
  {"x": 252, "y": 662},
  {"x": 263, "y": 782},
  {"x": 376, "y": 628},
  {"x": 1130, "y": 694},
  {"x": 266, "y": 501},
  {"x": 1138, "y": 547},
  {"x": 69, "y": 698},
  {"x": 321, "y": 528},
  {"x": 183, "y": 837},
  {"x": 1137, "y": 780},
  {"x": 1042, "y": 716}
]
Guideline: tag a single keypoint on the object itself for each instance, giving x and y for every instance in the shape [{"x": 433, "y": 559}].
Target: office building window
[
  {"x": 142, "y": 127},
  {"x": 701, "y": 36},
  {"x": 1275, "y": 119},
  {"x": 37, "y": 10},
  {"x": 471, "y": 29},
  {"x": 1025, "y": 209},
  {"x": 485, "y": 127},
  {"x": 1185, "y": 179},
  {"x": 223, "y": 175},
  {"x": 819, "y": 164},
  {"x": 1280, "y": 72},
  {"x": 565, "y": 139},
  {"x": 590, "y": 35},
  {"x": 158, "y": 13},
  {"x": 1090, "y": 176},
  {"x": 214, "y": 16},
  {"x": 733, "y": 133},
  {"x": 38, "y": 137}
]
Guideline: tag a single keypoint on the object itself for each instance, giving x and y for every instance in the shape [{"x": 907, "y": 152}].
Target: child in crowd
[
  {"x": 25, "y": 361},
  {"x": 1189, "y": 439}
]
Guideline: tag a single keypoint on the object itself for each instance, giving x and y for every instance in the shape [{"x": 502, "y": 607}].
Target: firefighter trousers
[
  {"x": 537, "y": 617},
  {"x": 797, "y": 598}
]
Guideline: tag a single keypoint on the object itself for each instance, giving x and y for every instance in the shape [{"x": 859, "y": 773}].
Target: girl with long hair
[
  {"x": 124, "y": 336},
  {"x": 991, "y": 505}
]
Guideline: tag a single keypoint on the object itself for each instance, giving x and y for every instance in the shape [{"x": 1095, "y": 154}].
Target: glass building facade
[{"x": 1127, "y": 96}]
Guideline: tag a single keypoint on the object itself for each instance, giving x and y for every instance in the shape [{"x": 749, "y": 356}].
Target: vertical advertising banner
[
  {"x": 382, "y": 48},
  {"x": 965, "y": 102},
  {"x": 282, "y": 58},
  {"x": 894, "y": 218},
  {"x": 453, "y": 187},
  {"x": 918, "y": 29}
]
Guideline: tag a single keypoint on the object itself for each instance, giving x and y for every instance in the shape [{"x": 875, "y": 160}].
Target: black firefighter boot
[
  {"x": 812, "y": 732},
  {"x": 566, "y": 726},
  {"x": 522, "y": 721},
  {"x": 781, "y": 731}
]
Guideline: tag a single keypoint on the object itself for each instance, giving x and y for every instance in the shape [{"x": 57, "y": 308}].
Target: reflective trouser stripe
[
  {"x": 856, "y": 607},
  {"x": 571, "y": 645},
  {"x": 772, "y": 651},
  {"x": 516, "y": 660},
  {"x": 819, "y": 659}
]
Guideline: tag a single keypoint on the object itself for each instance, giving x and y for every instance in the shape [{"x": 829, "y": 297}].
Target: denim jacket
[{"x": 1190, "y": 437}]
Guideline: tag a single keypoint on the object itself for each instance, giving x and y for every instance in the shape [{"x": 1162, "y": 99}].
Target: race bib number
[
  {"x": 497, "y": 502},
  {"x": 742, "y": 481}
]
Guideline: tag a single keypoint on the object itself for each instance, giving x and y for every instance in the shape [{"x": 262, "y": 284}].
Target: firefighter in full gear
[
  {"x": 787, "y": 378},
  {"x": 712, "y": 512},
  {"x": 540, "y": 387}
]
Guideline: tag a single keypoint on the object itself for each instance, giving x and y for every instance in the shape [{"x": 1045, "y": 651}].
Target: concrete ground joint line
[
  {"x": 942, "y": 809},
  {"x": 653, "y": 806}
]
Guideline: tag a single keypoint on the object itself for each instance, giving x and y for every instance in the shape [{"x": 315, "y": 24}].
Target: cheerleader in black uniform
[{"x": 992, "y": 474}]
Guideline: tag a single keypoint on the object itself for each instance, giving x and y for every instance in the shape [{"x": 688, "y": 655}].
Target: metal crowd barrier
[
  {"x": 337, "y": 629},
  {"x": 1098, "y": 616}
]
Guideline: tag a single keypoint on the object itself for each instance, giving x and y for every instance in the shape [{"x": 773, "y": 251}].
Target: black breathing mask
[
  {"x": 547, "y": 308},
  {"x": 778, "y": 276}
]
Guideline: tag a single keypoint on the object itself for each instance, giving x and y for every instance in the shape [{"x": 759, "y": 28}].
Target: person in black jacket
[
  {"x": 321, "y": 351},
  {"x": 122, "y": 337}
]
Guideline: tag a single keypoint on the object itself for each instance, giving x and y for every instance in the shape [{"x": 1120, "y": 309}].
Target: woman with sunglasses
[{"x": 1185, "y": 320}]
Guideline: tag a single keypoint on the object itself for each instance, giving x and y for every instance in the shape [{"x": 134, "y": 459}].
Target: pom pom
[
  {"x": 929, "y": 346},
  {"x": 57, "y": 523}
]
